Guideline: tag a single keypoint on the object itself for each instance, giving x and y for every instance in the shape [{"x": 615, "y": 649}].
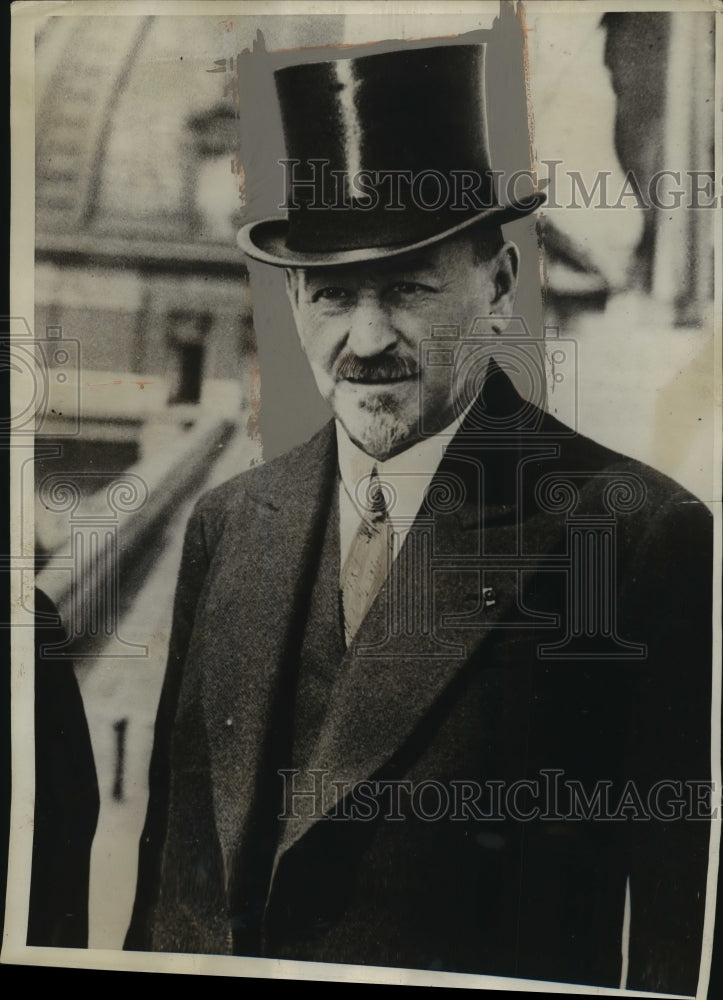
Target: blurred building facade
[
  {"x": 135, "y": 208},
  {"x": 623, "y": 113}
]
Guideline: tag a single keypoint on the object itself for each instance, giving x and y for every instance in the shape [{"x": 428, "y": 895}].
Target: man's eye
[
  {"x": 409, "y": 288},
  {"x": 331, "y": 294}
]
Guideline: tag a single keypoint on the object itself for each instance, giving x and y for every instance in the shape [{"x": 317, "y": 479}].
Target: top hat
[{"x": 386, "y": 153}]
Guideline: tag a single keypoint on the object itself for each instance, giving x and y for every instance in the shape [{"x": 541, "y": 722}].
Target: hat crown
[
  {"x": 390, "y": 137},
  {"x": 415, "y": 110}
]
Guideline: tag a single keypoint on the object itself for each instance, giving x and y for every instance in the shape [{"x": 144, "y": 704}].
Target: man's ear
[
  {"x": 292, "y": 287},
  {"x": 505, "y": 270}
]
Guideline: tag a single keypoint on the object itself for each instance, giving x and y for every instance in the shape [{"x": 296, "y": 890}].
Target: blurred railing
[{"x": 114, "y": 533}]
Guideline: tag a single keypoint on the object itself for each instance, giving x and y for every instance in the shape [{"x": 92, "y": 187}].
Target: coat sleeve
[
  {"x": 194, "y": 565},
  {"x": 670, "y": 597}
]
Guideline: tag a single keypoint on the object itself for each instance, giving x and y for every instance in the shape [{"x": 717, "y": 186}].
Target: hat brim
[{"x": 265, "y": 240}]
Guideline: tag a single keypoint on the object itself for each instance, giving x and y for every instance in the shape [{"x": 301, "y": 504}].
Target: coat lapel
[{"x": 254, "y": 621}]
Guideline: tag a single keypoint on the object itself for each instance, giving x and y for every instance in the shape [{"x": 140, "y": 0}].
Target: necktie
[{"x": 367, "y": 563}]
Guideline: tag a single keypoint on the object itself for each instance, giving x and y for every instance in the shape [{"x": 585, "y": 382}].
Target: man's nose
[{"x": 371, "y": 330}]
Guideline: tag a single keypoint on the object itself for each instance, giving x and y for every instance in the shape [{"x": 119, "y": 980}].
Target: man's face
[{"x": 361, "y": 327}]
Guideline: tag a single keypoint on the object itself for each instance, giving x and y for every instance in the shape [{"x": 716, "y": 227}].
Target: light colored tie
[{"x": 367, "y": 563}]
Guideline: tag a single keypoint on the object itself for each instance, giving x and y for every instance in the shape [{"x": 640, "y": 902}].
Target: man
[{"x": 438, "y": 691}]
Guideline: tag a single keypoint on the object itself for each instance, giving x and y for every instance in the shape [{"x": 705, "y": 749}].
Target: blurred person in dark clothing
[{"x": 66, "y": 793}]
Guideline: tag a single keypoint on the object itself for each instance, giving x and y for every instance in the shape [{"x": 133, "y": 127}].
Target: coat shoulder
[
  {"x": 269, "y": 483},
  {"x": 631, "y": 482}
]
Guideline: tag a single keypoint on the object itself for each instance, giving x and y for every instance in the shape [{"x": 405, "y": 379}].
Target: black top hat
[{"x": 387, "y": 153}]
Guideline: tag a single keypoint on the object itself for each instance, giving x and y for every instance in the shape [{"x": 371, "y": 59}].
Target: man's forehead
[{"x": 433, "y": 258}]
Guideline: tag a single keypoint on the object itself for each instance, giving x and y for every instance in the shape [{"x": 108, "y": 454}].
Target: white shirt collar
[{"x": 404, "y": 478}]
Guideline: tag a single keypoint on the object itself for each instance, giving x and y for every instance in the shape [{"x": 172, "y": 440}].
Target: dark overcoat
[{"x": 518, "y": 736}]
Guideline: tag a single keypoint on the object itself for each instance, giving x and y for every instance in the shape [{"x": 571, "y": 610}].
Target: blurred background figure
[
  {"x": 66, "y": 794},
  {"x": 166, "y": 378}
]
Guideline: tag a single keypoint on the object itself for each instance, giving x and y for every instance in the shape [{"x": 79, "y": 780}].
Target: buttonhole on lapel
[{"x": 489, "y": 598}]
